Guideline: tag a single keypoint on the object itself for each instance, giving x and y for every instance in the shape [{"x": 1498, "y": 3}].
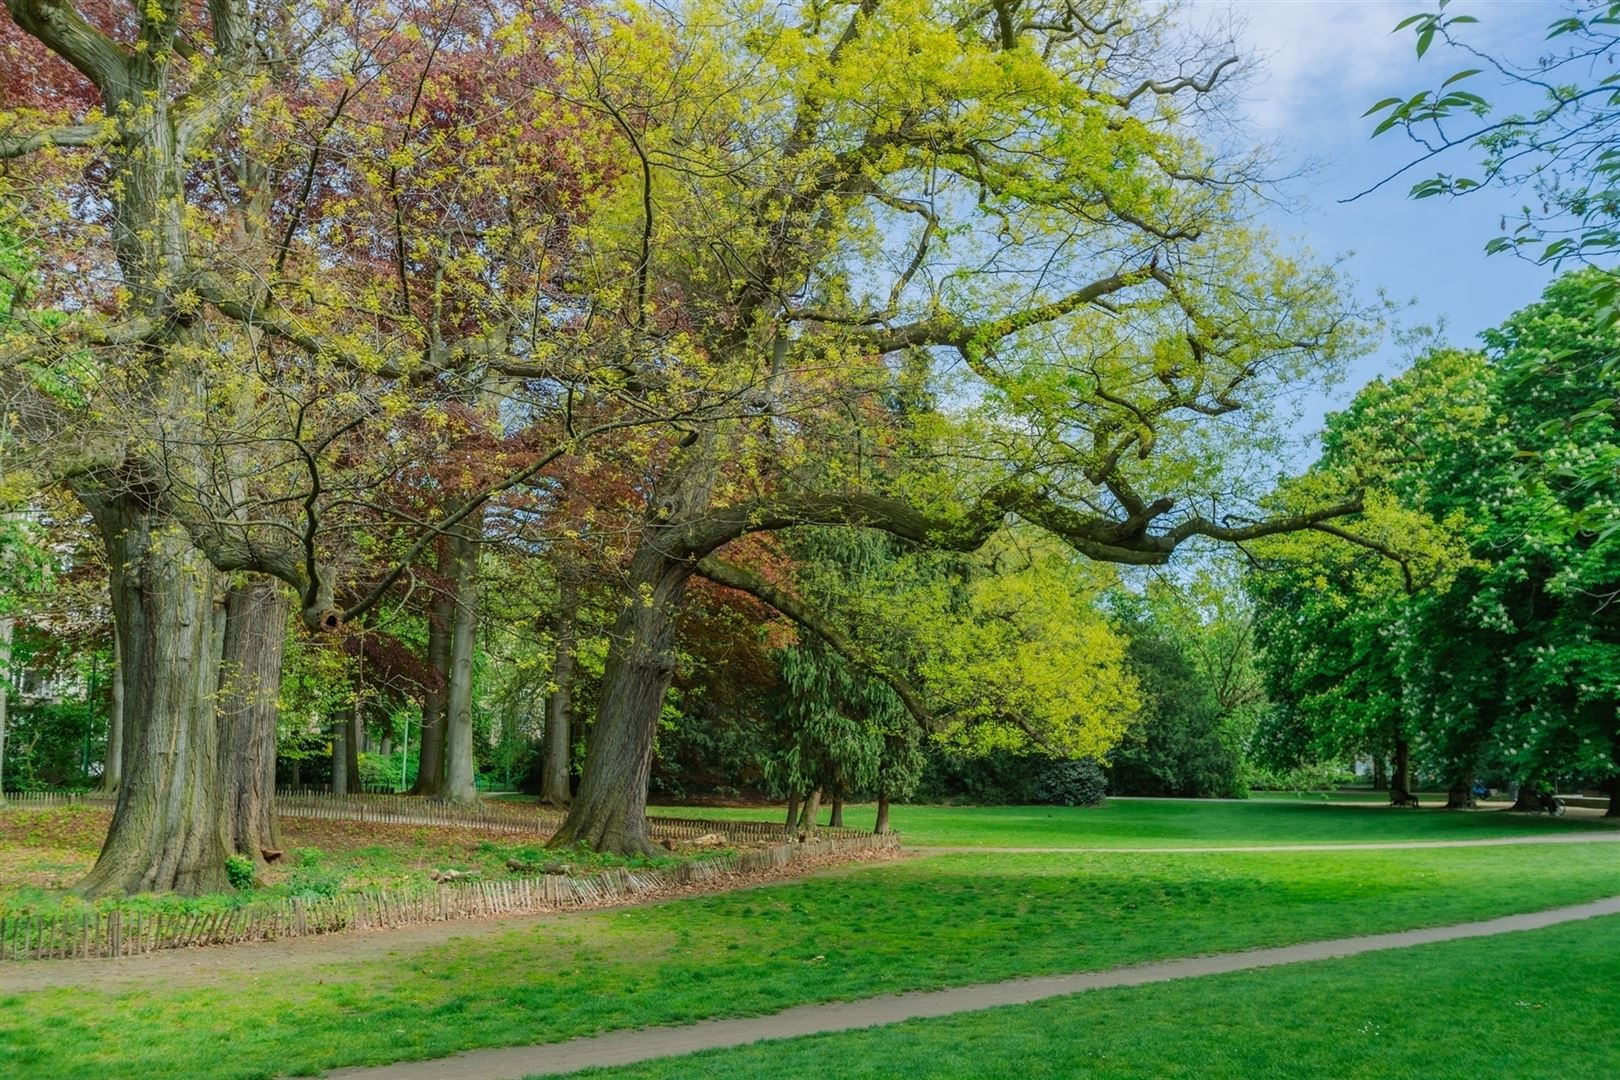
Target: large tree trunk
[
  {"x": 460, "y": 784},
  {"x": 112, "y": 769},
  {"x": 430, "y": 755},
  {"x": 168, "y": 831},
  {"x": 1614, "y": 798},
  {"x": 882, "y": 826},
  {"x": 554, "y": 782},
  {"x": 249, "y": 684},
  {"x": 836, "y": 821},
  {"x": 1525, "y": 801},
  {"x": 609, "y": 813}
]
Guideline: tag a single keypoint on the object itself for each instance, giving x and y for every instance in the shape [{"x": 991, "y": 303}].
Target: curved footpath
[
  {"x": 628, "y": 1047},
  {"x": 1593, "y": 837}
]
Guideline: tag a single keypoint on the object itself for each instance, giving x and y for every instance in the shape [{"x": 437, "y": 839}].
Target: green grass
[
  {"x": 1540, "y": 1005},
  {"x": 938, "y": 921},
  {"x": 1177, "y": 823}
]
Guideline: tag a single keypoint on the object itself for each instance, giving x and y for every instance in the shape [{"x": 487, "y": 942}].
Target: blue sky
[{"x": 1322, "y": 62}]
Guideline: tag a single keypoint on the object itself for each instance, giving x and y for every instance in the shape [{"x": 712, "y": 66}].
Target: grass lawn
[
  {"x": 925, "y": 922},
  {"x": 1538, "y": 1004},
  {"x": 1177, "y": 823}
]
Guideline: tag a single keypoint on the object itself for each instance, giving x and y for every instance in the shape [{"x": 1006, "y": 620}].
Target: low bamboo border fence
[
  {"x": 487, "y": 816},
  {"x": 92, "y": 934}
]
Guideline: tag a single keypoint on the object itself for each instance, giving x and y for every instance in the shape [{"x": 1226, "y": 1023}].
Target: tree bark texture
[
  {"x": 792, "y": 809},
  {"x": 836, "y": 821},
  {"x": 249, "y": 684},
  {"x": 460, "y": 773},
  {"x": 340, "y": 755},
  {"x": 610, "y": 811},
  {"x": 352, "y": 744},
  {"x": 555, "y": 787},
  {"x": 812, "y": 811},
  {"x": 6, "y": 625},
  {"x": 882, "y": 826},
  {"x": 1400, "y": 784},
  {"x": 430, "y": 755},
  {"x": 112, "y": 769},
  {"x": 168, "y": 830}
]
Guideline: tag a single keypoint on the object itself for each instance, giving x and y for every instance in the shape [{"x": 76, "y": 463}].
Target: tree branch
[{"x": 14, "y": 146}]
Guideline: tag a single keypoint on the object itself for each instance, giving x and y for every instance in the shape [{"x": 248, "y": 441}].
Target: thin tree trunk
[
  {"x": 1380, "y": 775},
  {"x": 430, "y": 755},
  {"x": 112, "y": 769},
  {"x": 793, "y": 809},
  {"x": 351, "y": 745},
  {"x": 836, "y": 821},
  {"x": 459, "y": 769},
  {"x": 882, "y": 826},
  {"x": 5, "y": 693},
  {"x": 1400, "y": 788},
  {"x": 168, "y": 831},
  {"x": 340, "y": 756},
  {"x": 554, "y": 776},
  {"x": 249, "y": 684}
]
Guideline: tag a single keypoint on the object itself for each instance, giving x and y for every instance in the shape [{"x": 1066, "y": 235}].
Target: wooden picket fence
[
  {"x": 487, "y": 816},
  {"x": 92, "y": 934}
]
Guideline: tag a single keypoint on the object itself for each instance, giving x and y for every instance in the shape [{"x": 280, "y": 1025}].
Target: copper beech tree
[{"x": 267, "y": 250}]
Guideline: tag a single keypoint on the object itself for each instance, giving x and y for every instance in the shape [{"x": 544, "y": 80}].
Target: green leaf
[
  {"x": 1425, "y": 39},
  {"x": 1382, "y": 105},
  {"x": 1460, "y": 76}
]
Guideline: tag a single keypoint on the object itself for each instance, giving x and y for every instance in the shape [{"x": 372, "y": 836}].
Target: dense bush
[
  {"x": 1069, "y": 783},
  {"x": 1003, "y": 779}
]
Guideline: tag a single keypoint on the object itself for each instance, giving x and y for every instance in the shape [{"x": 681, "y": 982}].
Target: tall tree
[
  {"x": 815, "y": 192},
  {"x": 260, "y": 287}
]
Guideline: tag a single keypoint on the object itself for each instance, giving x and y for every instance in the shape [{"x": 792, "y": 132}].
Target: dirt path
[
  {"x": 1376, "y": 845},
  {"x": 628, "y": 1047}
]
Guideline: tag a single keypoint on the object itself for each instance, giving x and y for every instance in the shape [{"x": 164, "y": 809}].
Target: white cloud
[{"x": 1322, "y": 62}]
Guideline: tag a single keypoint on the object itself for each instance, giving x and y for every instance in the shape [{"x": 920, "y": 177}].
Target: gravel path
[{"x": 628, "y": 1047}]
